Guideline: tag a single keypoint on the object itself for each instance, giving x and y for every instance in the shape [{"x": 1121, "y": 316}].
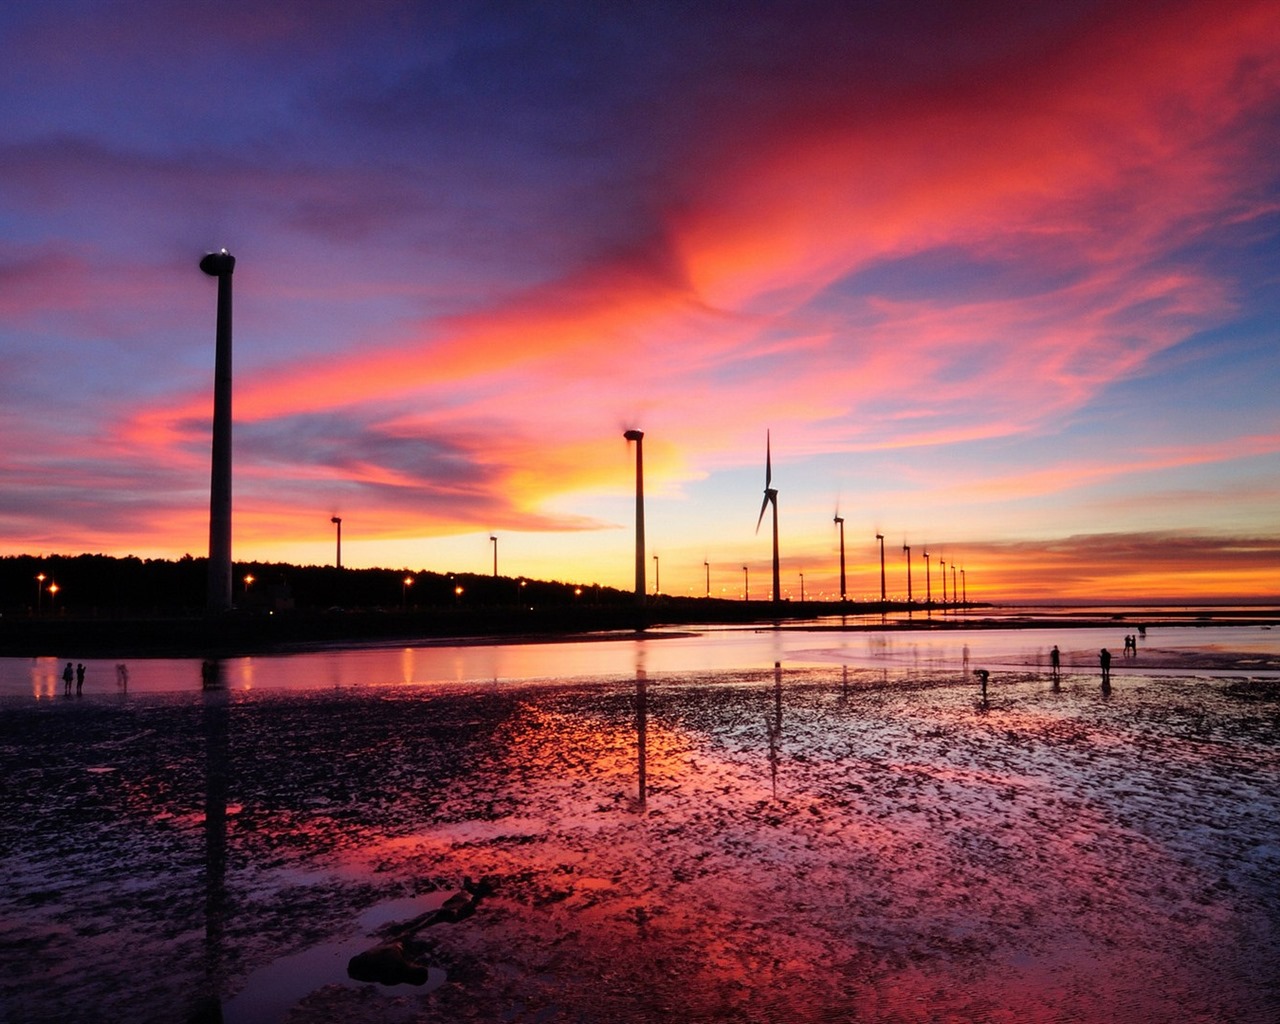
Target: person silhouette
[
  {"x": 1055, "y": 661},
  {"x": 79, "y": 678},
  {"x": 1104, "y": 659},
  {"x": 68, "y": 674}
]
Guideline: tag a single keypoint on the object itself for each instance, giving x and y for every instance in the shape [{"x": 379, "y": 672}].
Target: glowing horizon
[{"x": 1000, "y": 287}]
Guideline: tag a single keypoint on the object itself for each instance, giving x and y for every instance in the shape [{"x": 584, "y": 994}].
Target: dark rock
[{"x": 386, "y": 965}]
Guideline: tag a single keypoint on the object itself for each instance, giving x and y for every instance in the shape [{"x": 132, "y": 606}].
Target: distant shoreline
[{"x": 244, "y": 635}]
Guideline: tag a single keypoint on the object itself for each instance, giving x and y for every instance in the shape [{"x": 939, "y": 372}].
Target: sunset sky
[{"x": 1000, "y": 279}]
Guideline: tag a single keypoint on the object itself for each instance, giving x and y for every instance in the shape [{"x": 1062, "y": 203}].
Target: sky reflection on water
[{"x": 713, "y": 650}]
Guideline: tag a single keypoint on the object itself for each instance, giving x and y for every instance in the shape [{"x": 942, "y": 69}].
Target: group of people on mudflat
[
  {"x": 1104, "y": 660},
  {"x": 68, "y": 674},
  {"x": 78, "y": 673}
]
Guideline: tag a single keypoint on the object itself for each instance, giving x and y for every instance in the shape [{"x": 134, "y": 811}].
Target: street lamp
[
  {"x": 53, "y": 596},
  {"x": 40, "y": 578},
  {"x": 907, "y": 550},
  {"x": 337, "y": 521},
  {"x": 943, "y": 566},
  {"x": 405, "y": 584},
  {"x": 248, "y": 580},
  {"x": 964, "y": 589},
  {"x": 928, "y": 583}
]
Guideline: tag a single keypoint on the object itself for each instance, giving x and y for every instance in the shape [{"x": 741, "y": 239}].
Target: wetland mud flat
[{"x": 792, "y": 845}]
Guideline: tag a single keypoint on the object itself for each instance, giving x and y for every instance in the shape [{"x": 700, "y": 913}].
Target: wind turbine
[
  {"x": 641, "y": 585},
  {"x": 839, "y": 521},
  {"x": 906, "y": 550},
  {"x": 771, "y": 496},
  {"x": 880, "y": 538}
]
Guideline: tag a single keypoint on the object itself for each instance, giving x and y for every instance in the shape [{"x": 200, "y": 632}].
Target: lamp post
[
  {"x": 928, "y": 583},
  {"x": 40, "y": 578},
  {"x": 248, "y": 582},
  {"x": 405, "y": 584},
  {"x": 221, "y": 265},
  {"x": 844, "y": 593},
  {"x": 746, "y": 585},
  {"x": 53, "y": 597},
  {"x": 707, "y": 567},
  {"x": 964, "y": 589},
  {"x": 880, "y": 538},
  {"x": 955, "y": 594},
  {"x": 337, "y": 521},
  {"x": 494, "y": 538},
  {"x": 943, "y": 566},
  {"x": 802, "y": 588}
]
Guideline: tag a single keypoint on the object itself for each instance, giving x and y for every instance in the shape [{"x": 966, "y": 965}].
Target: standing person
[
  {"x": 79, "y": 678},
  {"x": 1104, "y": 658},
  {"x": 1055, "y": 662},
  {"x": 68, "y": 674}
]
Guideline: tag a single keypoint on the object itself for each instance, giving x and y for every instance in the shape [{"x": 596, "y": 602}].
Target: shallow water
[{"x": 707, "y": 650}]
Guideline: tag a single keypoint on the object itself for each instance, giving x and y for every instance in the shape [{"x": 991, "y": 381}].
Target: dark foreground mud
[{"x": 801, "y": 846}]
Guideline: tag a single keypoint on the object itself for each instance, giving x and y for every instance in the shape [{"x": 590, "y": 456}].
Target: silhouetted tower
[
  {"x": 906, "y": 548},
  {"x": 494, "y": 538},
  {"x": 221, "y": 265},
  {"x": 638, "y": 437},
  {"x": 839, "y": 521},
  {"x": 880, "y": 538},
  {"x": 771, "y": 498}
]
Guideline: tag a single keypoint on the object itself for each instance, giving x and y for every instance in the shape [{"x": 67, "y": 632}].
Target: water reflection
[
  {"x": 642, "y": 725},
  {"x": 710, "y": 650},
  {"x": 773, "y": 726},
  {"x": 216, "y": 716}
]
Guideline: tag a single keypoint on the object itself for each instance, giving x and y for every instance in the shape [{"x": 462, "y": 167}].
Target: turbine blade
[
  {"x": 768, "y": 461},
  {"x": 764, "y": 506}
]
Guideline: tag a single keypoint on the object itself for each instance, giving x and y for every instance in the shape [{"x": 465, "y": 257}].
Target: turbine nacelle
[{"x": 216, "y": 264}]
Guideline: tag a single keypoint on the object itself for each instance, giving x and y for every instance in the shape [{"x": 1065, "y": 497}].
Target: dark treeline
[
  {"x": 123, "y": 607},
  {"x": 104, "y": 586}
]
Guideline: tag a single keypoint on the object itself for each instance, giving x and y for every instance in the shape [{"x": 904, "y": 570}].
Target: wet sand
[{"x": 805, "y": 845}]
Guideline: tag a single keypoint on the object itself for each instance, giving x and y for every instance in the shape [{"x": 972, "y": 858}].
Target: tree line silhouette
[{"x": 105, "y": 586}]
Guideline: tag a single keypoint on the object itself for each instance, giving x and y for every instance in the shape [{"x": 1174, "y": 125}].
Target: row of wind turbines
[{"x": 771, "y": 500}]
